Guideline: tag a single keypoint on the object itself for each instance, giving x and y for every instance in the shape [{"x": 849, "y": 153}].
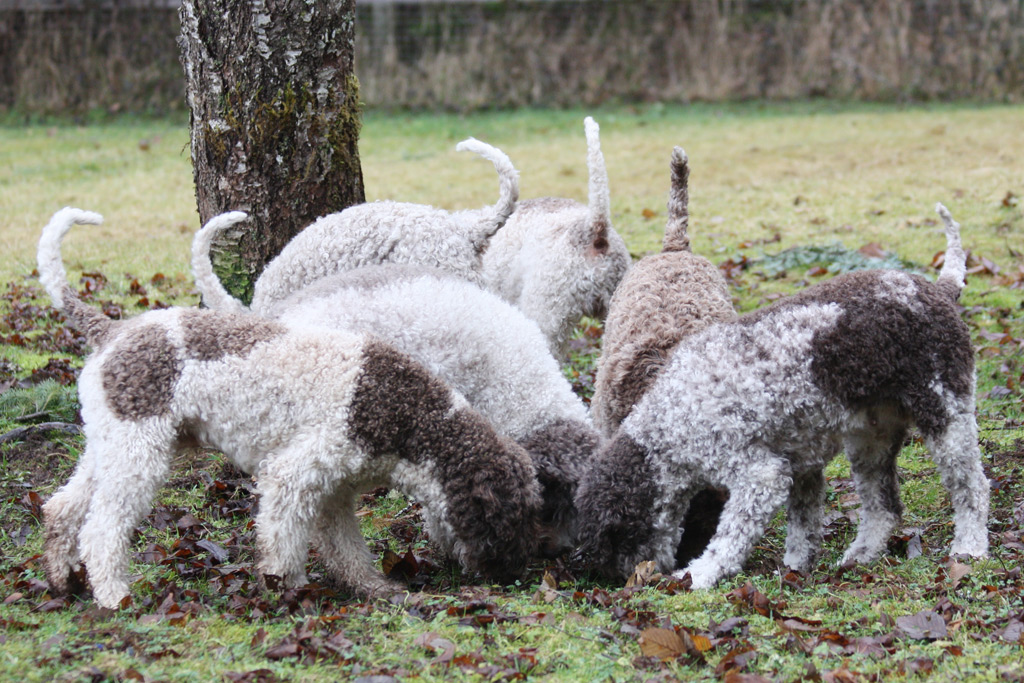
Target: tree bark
[{"x": 275, "y": 121}]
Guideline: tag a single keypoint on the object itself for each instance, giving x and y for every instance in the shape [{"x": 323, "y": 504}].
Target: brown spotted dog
[
  {"x": 318, "y": 416},
  {"x": 760, "y": 404},
  {"x": 663, "y": 299}
]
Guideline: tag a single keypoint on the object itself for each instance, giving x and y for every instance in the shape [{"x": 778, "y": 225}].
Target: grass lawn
[{"x": 781, "y": 195}]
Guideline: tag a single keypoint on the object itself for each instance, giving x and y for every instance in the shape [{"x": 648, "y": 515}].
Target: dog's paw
[
  {"x": 857, "y": 554},
  {"x": 703, "y": 573},
  {"x": 970, "y": 549}
]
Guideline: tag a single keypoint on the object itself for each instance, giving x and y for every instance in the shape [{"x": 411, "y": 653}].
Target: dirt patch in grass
[{"x": 29, "y": 466}]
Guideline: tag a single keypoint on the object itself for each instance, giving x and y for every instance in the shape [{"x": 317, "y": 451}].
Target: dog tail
[
  {"x": 954, "y": 264},
  {"x": 85, "y": 318},
  {"x": 508, "y": 188},
  {"x": 676, "y": 236},
  {"x": 209, "y": 285},
  {"x": 598, "y": 202}
]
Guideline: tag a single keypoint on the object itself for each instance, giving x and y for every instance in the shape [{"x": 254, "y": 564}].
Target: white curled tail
[
  {"x": 598, "y": 202},
  {"x": 54, "y": 278},
  {"x": 954, "y": 264},
  {"x": 209, "y": 285},
  {"x": 677, "y": 237},
  {"x": 508, "y": 189}
]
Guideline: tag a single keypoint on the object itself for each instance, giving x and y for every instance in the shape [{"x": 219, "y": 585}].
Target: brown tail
[{"x": 677, "y": 237}]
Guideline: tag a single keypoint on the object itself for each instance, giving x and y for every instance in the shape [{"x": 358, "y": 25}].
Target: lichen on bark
[{"x": 275, "y": 121}]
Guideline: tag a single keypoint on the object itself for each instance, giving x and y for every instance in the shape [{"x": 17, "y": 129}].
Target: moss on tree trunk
[{"x": 275, "y": 121}]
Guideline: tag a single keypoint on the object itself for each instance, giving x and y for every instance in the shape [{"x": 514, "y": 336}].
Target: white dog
[
  {"x": 555, "y": 259},
  {"x": 392, "y": 232}
]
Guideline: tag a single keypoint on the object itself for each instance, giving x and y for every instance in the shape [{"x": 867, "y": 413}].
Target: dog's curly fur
[
  {"x": 317, "y": 415},
  {"x": 483, "y": 347},
  {"x": 662, "y": 299},
  {"x": 760, "y": 405},
  {"x": 558, "y": 260},
  {"x": 392, "y": 232}
]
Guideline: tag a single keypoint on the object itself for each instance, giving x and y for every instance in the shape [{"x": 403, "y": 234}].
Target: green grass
[{"x": 816, "y": 173}]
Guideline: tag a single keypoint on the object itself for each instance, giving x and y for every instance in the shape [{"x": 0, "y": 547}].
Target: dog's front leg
[{"x": 754, "y": 496}]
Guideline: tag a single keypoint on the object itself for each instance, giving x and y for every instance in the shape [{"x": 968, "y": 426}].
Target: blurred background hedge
[{"x": 121, "y": 55}]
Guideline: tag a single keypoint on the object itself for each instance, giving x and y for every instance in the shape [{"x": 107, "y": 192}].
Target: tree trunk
[{"x": 274, "y": 121}]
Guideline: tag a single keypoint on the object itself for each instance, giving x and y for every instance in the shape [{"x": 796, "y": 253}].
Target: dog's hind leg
[
  {"x": 754, "y": 495},
  {"x": 125, "y": 484},
  {"x": 343, "y": 548},
  {"x": 804, "y": 519},
  {"x": 64, "y": 515},
  {"x": 958, "y": 458},
  {"x": 872, "y": 451}
]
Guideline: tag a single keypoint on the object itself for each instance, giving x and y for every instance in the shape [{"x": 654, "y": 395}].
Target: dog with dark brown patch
[
  {"x": 317, "y": 416},
  {"x": 663, "y": 299},
  {"x": 760, "y": 404}
]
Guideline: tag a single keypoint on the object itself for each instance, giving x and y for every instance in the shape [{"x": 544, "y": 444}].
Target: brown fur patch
[
  {"x": 398, "y": 407},
  {"x": 97, "y": 327},
  {"x": 394, "y": 399},
  {"x": 211, "y": 336},
  {"x": 883, "y": 350},
  {"x": 560, "y": 453},
  {"x": 140, "y": 372}
]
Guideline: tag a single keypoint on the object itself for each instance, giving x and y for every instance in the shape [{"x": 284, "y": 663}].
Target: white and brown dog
[
  {"x": 759, "y": 405},
  {"x": 317, "y": 416}
]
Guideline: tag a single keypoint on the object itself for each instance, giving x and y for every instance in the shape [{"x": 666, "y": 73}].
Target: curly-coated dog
[
  {"x": 558, "y": 260},
  {"x": 318, "y": 416},
  {"x": 392, "y": 232},
  {"x": 663, "y": 298},
  {"x": 481, "y": 346},
  {"x": 759, "y": 405}
]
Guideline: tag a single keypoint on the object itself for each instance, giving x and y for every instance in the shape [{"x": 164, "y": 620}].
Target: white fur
[
  {"x": 277, "y": 401},
  {"x": 393, "y": 232}
]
